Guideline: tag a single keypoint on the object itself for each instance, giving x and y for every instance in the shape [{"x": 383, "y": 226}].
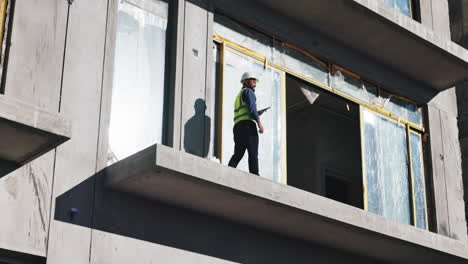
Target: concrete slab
[
  {"x": 27, "y": 133},
  {"x": 164, "y": 174},
  {"x": 377, "y": 31}
]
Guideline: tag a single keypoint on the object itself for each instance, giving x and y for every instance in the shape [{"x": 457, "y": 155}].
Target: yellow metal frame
[
  {"x": 363, "y": 106},
  {"x": 411, "y": 174},
  {"x": 261, "y": 60},
  {"x": 327, "y": 87},
  {"x": 409, "y": 132},
  {"x": 363, "y": 158},
  {"x": 3, "y": 15},
  {"x": 363, "y": 147}
]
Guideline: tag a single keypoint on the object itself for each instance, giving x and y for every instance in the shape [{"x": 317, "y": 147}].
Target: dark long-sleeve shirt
[{"x": 249, "y": 97}]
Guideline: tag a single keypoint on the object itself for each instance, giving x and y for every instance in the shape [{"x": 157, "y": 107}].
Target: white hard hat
[{"x": 248, "y": 75}]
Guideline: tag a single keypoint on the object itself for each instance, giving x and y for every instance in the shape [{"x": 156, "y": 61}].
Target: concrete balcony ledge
[
  {"x": 180, "y": 179},
  {"x": 372, "y": 28},
  {"x": 27, "y": 132}
]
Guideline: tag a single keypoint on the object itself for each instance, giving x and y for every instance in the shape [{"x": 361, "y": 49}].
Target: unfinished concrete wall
[
  {"x": 459, "y": 32},
  {"x": 76, "y": 160},
  {"x": 446, "y": 166},
  {"x": 195, "y": 120},
  {"x": 34, "y": 76},
  {"x": 445, "y": 146}
]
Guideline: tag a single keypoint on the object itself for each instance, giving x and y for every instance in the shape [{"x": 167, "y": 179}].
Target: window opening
[
  {"x": 331, "y": 117},
  {"x": 137, "y": 106},
  {"x": 323, "y": 131}
]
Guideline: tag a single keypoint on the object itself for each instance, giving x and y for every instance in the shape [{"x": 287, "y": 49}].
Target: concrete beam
[
  {"x": 27, "y": 133},
  {"x": 377, "y": 31},
  {"x": 164, "y": 174}
]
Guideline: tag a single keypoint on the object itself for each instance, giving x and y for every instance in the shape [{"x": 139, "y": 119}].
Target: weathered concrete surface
[
  {"x": 454, "y": 178},
  {"x": 319, "y": 45},
  {"x": 127, "y": 228},
  {"x": 81, "y": 100},
  {"x": 167, "y": 175},
  {"x": 195, "y": 125},
  {"x": 123, "y": 250},
  {"x": 28, "y": 132},
  {"x": 440, "y": 18},
  {"x": 33, "y": 77},
  {"x": 437, "y": 168},
  {"x": 383, "y": 29},
  {"x": 446, "y": 101}
]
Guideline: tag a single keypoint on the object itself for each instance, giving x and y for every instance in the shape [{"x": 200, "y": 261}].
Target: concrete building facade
[{"x": 116, "y": 127}]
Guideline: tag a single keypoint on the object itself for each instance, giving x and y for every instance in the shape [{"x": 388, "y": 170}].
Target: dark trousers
[{"x": 245, "y": 138}]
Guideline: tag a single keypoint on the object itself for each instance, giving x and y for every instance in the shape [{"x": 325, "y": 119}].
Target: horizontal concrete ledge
[
  {"x": 10, "y": 256},
  {"x": 372, "y": 28},
  {"x": 164, "y": 174},
  {"x": 27, "y": 132}
]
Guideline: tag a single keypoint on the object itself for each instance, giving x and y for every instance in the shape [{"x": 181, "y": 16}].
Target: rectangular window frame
[
  {"x": 246, "y": 53},
  {"x": 410, "y": 127},
  {"x": 6, "y": 18}
]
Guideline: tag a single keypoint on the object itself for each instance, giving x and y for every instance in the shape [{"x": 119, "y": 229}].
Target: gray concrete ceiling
[{"x": 391, "y": 39}]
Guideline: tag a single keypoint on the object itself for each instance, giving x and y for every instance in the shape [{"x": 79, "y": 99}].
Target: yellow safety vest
[{"x": 241, "y": 108}]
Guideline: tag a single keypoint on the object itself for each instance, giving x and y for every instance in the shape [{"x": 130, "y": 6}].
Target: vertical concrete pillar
[
  {"x": 33, "y": 76},
  {"x": 195, "y": 124},
  {"x": 76, "y": 160}
]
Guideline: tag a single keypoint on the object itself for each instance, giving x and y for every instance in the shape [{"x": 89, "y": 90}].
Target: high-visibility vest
[{"x": 241, "y": 108}]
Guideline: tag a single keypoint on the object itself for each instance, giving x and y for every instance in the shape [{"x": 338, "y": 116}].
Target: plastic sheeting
[
  {"x": 273, "y": 50},
  {"x": 386, "y": 168},
  {"x": 404, "y": 6},
  {"x": 402, "y": 108},
  {"x": 418, "y": 181},
  {"x": 268, "y": 94},
  {"x": 136, "y": 117},
  {"x": 354, "y": 87}
]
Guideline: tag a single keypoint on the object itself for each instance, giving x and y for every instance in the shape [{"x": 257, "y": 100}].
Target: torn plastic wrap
[
  {"x": 300, "y": 62},
  {"x": 243, "y": 36},
  {"x": 273, "y": 50},
  {"x": 402, "y": 108},
  {"x": 353, "y": 86},
  {"x": 268, "y": 93},
  {"x": 386, "y": 168},
  {"x": 138, "y": 86}
]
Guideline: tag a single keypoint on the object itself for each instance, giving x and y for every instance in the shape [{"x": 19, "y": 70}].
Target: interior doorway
[{"x": 323, "y": 143}]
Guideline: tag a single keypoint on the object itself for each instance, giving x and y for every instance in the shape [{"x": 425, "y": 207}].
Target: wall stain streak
[{"x": 39, "y": 193}]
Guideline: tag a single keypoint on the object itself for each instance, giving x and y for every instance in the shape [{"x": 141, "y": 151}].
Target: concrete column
[
  {"x": 33, "y": 76},
  {"x": 195, "y": 124},
  {"x": 81, "y": 99}
]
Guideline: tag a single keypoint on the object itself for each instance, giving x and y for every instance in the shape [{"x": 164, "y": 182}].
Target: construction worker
[{"x": 246, "y": 119}]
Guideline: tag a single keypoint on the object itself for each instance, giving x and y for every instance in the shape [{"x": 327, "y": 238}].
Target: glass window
[
  {"x": 402, "y": 108},
  {"x": 329, "y": 115},
  {"x": 350, "y": 84},
  {"x": 418, "y": 180},
  {"x": 386, "y": 167},
  {"x": 268, "y": 93},
  {"x": 136, "y": 119},
  {"x": 404, "y": 6}
]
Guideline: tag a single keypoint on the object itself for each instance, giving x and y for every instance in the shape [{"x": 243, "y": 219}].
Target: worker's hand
[{"x": 260, "y": 126}]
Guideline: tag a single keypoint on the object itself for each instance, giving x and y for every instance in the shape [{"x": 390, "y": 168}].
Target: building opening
[
  {"x": 329, "y": 131},
  {"x": 323, "y": 143}
]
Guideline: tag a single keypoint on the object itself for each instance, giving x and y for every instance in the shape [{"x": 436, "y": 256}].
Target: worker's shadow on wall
[{"x": 197, "y": 131}]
